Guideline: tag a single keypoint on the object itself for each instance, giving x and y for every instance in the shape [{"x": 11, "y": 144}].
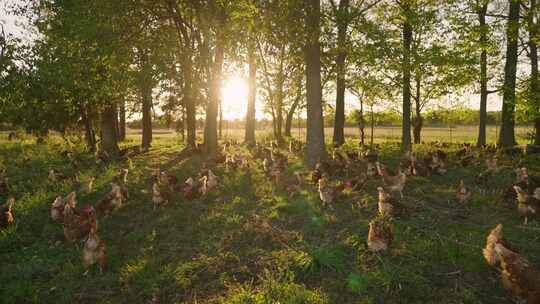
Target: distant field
[{"x": 382, "y": 134}]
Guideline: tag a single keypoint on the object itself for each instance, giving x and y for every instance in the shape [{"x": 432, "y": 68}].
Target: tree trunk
[
  {"x": 483, "y": 76},
  {"x": 89, "y": 133},
  {"x": 189, "y": 103},
  {"x": 339, "y": 122},
  {"x": 109, "y": 142},
  {"x": 362, "y": 124},
  {"x": 146, "y": 119},
  {"x": 316, "y": 149},
  {"x": 210, "y": 132},
  {"x": 406, "y": 66},
  {"x": 220, "y": 134},
  {"x": 417, "y": 121},
  {"x": 372, "y": 126},
  {"x": 534, "y": 94},
  {"x": 290, "y": 114},
  {"x": 507, "y": 136},
  {"x": 122, "y": 120},
  {"x": 252, "y": 94}
]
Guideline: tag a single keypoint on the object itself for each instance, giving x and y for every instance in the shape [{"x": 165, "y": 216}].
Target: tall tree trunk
[
  {"x": 252, "y": 94},
  {"x": 372, "y": 126},
  {"x": 406, "y": 66},
  {"x": 362, "y": 124},
  {"x": 533, "y": 54},
  {"x": 417, "y": 121},
  {"x": 109, "y": 142},
  {"x": 316, "y": 149},
  {"x": 146, "y": 119},
  {"x": 210, "y": 132},
  {"x": 116, "y": 122},
  {"x": 483, "y": 75},
  {"x": 279, "y": 115},
  {"x": 220, "y": 134},
  {"x": 89, "y": 133},
  {"x": 339, "y": 121},
  {"x": 507, "y": 136},
  {"x": 189, "y": 103},
  {"x": 290, "y": 114},
  {"x": 122, "y": 120}
]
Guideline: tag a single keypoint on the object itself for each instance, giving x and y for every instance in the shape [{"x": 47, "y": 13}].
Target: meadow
[{"x": 248, "y": 241}]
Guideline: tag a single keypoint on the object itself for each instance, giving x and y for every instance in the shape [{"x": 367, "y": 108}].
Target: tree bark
[
  {"x": 146, "y": 117},
  {"x": 252, "y": 95},
  {"x": 362, "y": 124},
  {"x": 290, "y": 114},
  {"x": 316, "y": 149},
  {"x": 89, "y": 133},
  {"x": 418, "y": 120},
  {"x": 339, "y": 121},
  {"x": 122, "y": 120},
  {"x": 534, "y": 94},
  {"x": 210, "y": 134},
  {"x": 109, "y": 141},
  {"x": 189, "y": 103},
  {"x": 507, "y": 136},
  {"x": 406, "y": 67},
  {"x": 483, "y": 75}
]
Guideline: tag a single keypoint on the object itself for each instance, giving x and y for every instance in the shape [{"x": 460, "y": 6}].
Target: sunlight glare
[{"x": 234, "y": 95}]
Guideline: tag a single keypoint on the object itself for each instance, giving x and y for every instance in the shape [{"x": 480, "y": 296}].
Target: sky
[{"x": 234, "y": 91}]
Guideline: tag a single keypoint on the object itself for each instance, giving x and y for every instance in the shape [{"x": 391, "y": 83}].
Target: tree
[
  {"x": 315, "y": 126},
  {"x": 507, "y": 137},
  {"x": 406, "y": 66}
]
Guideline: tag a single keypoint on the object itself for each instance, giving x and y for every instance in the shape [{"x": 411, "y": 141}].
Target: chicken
[
  {"x": 94, "y": 250},
  {"x": 491, "y": 168},
  {"x": 328, "y": 193},
  {"x": 124, "y": 175},
  {"x": 436, "y": 162},
  {"x": 113, "y": 200},
  {"x": 388, "y": 205},
  {"x": 407, "y": 162},
  {"x": 77, "y": 224},
  {"x": 159, "y": 196},
  {"x": 212, "y": 182},
  {"x": 463, "y": 194},
  {"x": 56, "y": 176},
  {"x": 495, "y": 237},
  {"x": 528, "y": 205},
  {"x": 394, "y": 183},
  {"x": 518, "y": 276},
  {"x": 6, "y": 213},
  {"x": 380, "y": 235},
  {"x": 371, "y": 169},
  {"x": 316, "y": 174},
  {"x": 57, "y": 207},
  {"x": 190, "y": 189},
  {"x": 294, "y": 185}
]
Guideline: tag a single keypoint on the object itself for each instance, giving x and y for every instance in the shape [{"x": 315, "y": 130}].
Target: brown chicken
[
  {"x": 528, "y": 205},
  {"x": 495, "y": 237},
  {"x": 113, "y": 200},
  {"x": 160, "y": 197},
  {"x": 6, "y": 213},
  {"x": 316, "y": 174},
  {"x": 56, "y": 176},
  {"x": 191, "y": 189},
  {"x": 294, "y": 185},
  {"x": 94, "y": 250},
  {"x": 57, "y": 207},
  {"x": 388, "y": 205},
  {"x": 77, "y": 223},
  {"x": 518, "y": 276},
  {"x": 463, "y": 194},
  {"x": 328, "y": 193},
  {"x": 380, "y": 234},
  {"x": 394, "y": 184}
]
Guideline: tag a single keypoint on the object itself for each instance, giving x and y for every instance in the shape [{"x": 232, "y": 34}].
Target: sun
[{"x": 234, "y": 97}]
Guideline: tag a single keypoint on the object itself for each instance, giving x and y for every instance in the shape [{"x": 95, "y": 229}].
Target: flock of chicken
[{"x": 518, "y": 275}]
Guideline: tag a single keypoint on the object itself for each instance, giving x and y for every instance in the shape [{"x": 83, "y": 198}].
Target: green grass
[{"x": 249, "y": 242}]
